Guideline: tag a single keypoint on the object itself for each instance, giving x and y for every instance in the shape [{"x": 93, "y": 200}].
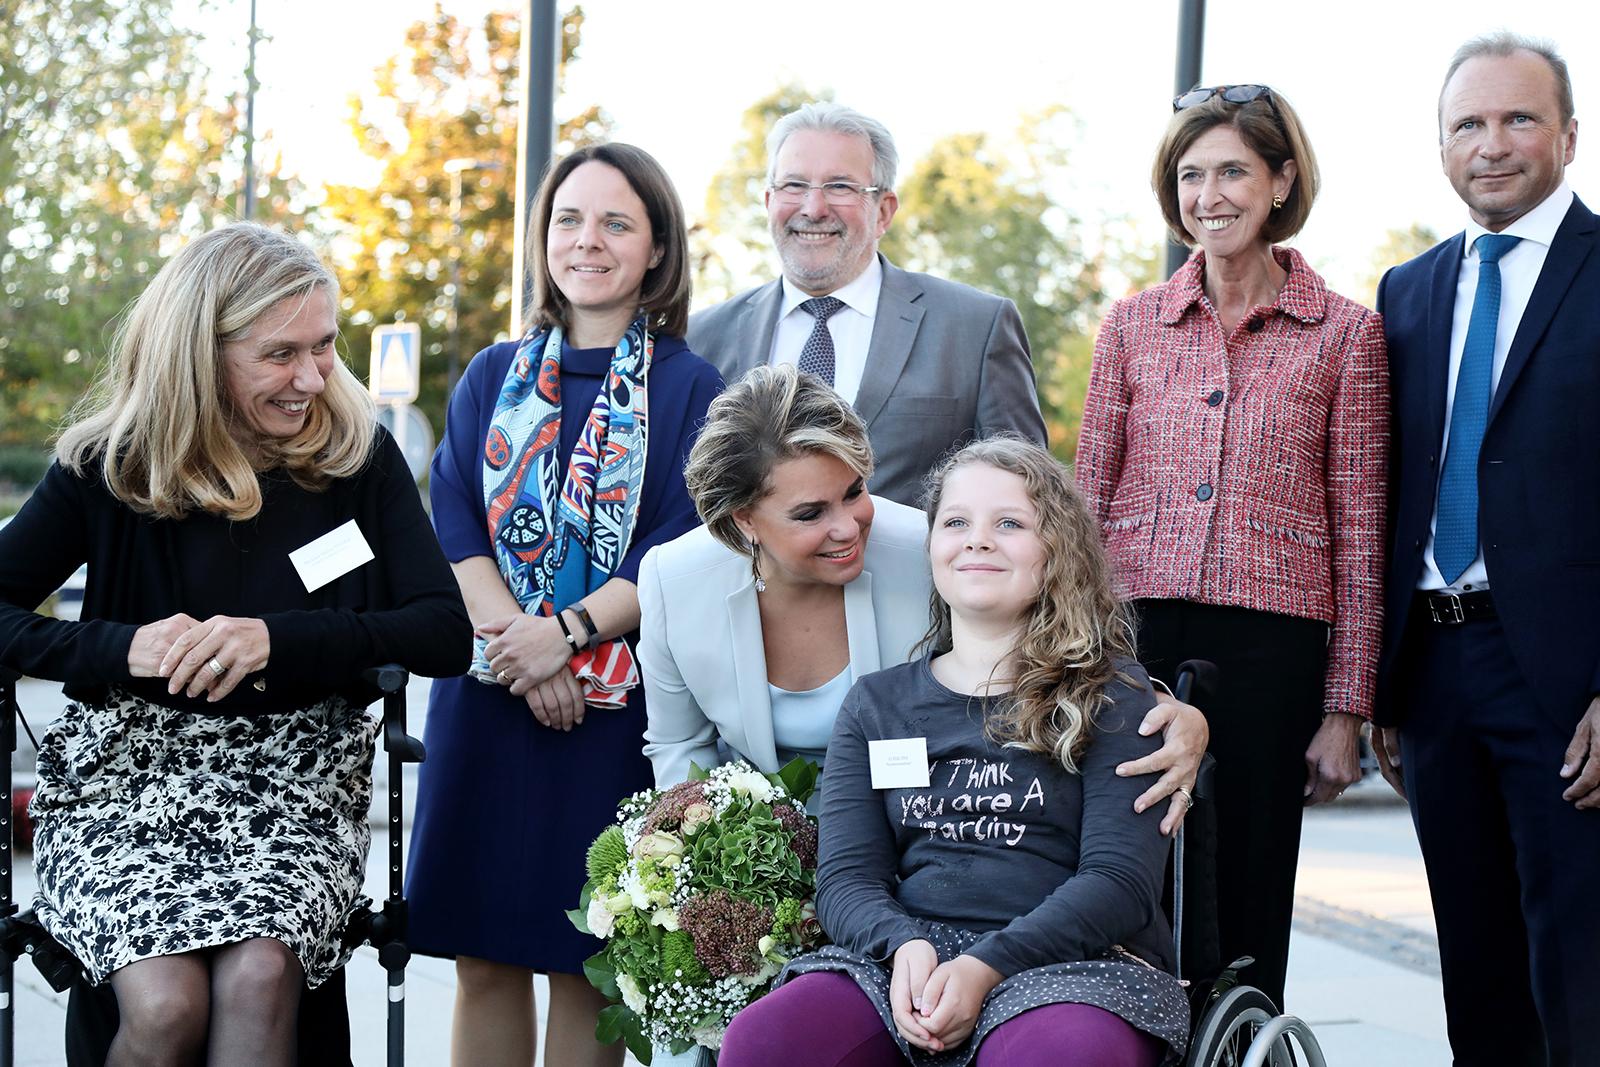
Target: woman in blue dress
[{"x": 561, "y": 467}]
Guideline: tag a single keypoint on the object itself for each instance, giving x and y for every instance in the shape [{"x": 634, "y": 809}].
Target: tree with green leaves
[
  {"x": 111, "y": 152},
  {"x": 451, "y": 93}
]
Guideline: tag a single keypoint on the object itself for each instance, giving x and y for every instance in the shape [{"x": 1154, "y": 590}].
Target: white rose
[
  {"x": 752, "y": 782},
  {"x": 632, "y": 995},
  {"x": 618, "y": 903},
  {"x": 709, "y": 1036},
  {"x": 695, "y": 816},
  {"x": 599, "y": 918},
  {"x": 658, "y": 845},
  {"x": 665, "y": 918}
]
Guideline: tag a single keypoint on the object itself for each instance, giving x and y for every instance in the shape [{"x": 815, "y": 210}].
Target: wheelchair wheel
[{"x": 1229, "y": 1026}]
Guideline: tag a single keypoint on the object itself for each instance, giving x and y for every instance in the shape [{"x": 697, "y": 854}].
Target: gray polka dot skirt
[
  {"x": 1121, "y": 983},
  {"x": 160, "y": 832}
]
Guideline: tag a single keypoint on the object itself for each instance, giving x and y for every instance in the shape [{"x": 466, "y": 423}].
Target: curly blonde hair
[
  {"x": 1076, "y": 631},
  {"x": 160, "y": 421}
]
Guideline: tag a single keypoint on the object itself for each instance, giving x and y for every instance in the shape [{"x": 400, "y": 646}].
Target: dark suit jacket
[
  {"x": 1538, "y": 470},
  {"x": 947, "y": 363}
]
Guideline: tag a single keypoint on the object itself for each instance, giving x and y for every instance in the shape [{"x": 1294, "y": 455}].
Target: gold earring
[
  {"x": 755, "y": 566},
  {"x": 1277, "y": 201}
]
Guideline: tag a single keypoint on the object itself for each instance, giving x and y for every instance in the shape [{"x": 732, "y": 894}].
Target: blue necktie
[
  {"x": 817, "y": 355},
  {"x": 1455, "y": 535}
]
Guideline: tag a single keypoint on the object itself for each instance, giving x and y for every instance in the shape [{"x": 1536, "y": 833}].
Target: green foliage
[
  {"x": 1397, "y": 247},
  {"x": 749, "y": 856},
  {"x": 617, "y": 1022},
  {"x": 799, "y": 777},
  {"x": 602, "y": 975},
  {"x": 607, "y": 854},
  {"x": 111, "y": 153},
  {"x": 21, "y": 466},
  {"x": 453, "y": 92}
]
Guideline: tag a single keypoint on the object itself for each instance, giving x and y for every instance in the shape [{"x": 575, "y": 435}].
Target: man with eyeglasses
[
  {"x": 1489, "y": 683},
  {"x": 927, "y": 363}
]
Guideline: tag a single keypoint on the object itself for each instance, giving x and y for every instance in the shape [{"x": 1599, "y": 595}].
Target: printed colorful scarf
[{"x": 558, "y": 539}]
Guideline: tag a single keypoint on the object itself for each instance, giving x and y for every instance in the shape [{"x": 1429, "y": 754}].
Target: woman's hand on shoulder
[
  {"x": 525, "y": 650},
  {"x": 1185, "y": 734},
  {"x": 953, "y": 998},
  {"x": 151, "y": 642},
  {"x": 214, "y": 656},
  {"x": 914, "y": 961}
]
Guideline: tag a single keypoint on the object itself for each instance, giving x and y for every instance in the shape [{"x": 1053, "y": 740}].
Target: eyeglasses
[{"x": 839, "y": 193}]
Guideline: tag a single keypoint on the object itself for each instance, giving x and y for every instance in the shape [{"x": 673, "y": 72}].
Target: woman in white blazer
[{"x": 754, "y": 626}]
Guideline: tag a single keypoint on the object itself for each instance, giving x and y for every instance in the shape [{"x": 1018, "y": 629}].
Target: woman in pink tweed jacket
[{"x": 1234, "y": 447}]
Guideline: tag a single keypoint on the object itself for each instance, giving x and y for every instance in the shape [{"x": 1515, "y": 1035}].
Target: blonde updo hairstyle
[{"x": 771, "y": 415}]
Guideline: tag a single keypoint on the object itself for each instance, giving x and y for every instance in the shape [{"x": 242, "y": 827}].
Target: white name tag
[
  {"x": 899, "y": 763},
  {"x": 340, "y": 552}
]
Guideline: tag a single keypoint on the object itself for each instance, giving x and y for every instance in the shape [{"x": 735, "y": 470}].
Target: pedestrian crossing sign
[{"x": 395, "y": 373}]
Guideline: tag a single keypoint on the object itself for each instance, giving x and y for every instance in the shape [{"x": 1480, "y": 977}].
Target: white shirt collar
[
  {"x": 861, "y": 294},
  {"x": 1539, "y": 225}
]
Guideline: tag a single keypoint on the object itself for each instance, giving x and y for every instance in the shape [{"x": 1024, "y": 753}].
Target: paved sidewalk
[{"x": 1363, "y": 969}]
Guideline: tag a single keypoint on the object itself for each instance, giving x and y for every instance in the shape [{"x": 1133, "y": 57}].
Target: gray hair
[
  {"x": 1505, "y": 43},
  {"x": 836, "y": 118}
]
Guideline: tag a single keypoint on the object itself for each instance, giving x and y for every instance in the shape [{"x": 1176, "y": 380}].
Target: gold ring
[
  {"x": 216, "y": 668},
  {"x": 1188, "y": 797},
  {"x": 500, "y": 676}
]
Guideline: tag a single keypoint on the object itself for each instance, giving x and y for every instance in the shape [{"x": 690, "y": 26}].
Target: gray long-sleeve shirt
[{"x": 1049, "y": 866}]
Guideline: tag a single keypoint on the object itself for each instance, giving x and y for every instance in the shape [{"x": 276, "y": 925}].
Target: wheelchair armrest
[
  {"x": 21, "y": 935},
  {"x": 391, "y": 679}
]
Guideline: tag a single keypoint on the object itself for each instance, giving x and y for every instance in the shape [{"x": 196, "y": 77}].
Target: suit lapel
[
  {"x": 861, "y": 626},
  {"x": 750, "y": 676},
  {"x": 1441, "y": 320},
  {"x": 758, "y": 320},
  {"x": 894, "y": 330},
  {"x": 1573, "y": 242}
]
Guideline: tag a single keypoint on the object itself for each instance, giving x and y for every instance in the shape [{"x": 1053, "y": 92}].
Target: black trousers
[
  {"x": 1514, "y": 870},
  {"x": 1263, "y": 716}
]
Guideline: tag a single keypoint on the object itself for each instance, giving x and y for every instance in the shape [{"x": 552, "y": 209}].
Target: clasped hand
[
  {"x": 182, "y": 650},
  {"x": 529, "y": 655},
  {"x": 936, "y": 1005}
]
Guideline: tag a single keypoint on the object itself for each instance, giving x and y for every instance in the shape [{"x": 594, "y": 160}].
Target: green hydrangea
[
  {"x": 607, "y": 854},
  {"x": 677, "y": 953}
]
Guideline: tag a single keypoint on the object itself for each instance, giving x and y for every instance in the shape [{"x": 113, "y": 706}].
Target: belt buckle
[{"x": 1446, "y": 608}]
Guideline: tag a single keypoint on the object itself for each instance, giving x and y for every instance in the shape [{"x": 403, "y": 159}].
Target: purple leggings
[{"x": 823, "y": 1019}]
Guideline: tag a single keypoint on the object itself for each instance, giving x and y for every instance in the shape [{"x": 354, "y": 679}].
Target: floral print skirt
[{"x": 160, "y": 831}]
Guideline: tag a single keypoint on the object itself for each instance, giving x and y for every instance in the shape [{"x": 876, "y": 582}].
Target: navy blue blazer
[{"x": 1538, "y": 470}]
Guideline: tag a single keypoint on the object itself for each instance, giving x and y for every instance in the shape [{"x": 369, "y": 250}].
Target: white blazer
[{"x": 700, "y": 649}]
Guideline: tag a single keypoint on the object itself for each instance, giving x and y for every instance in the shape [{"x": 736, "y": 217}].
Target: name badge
[
  {"x": 899, "y": 763},
  {"x": 331, "y": 555}
]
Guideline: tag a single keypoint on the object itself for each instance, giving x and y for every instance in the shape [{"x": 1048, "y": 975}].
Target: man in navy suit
[{"x": 1491, "y": 665}]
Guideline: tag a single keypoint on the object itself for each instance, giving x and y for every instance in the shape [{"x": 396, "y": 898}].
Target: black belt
[{"x": 1453, "y": 609}]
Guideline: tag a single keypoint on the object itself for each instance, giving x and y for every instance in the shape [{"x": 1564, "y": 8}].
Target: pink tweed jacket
[{"x": 1248, "y": 469}]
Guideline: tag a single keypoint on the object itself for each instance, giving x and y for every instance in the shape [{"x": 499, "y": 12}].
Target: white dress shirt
[
  {"x": 1519, "y": 272},
  {"x": 850, "y": 327}
]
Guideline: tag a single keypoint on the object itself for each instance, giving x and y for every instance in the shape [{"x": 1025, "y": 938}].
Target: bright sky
[{"x": 1364, "y": 75}]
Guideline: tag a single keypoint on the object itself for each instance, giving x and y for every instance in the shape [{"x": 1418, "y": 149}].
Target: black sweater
[{"x": 402, "y": 607}]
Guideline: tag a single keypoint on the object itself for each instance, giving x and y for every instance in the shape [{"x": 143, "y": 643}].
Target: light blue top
[{"x": 803, "y": 722}]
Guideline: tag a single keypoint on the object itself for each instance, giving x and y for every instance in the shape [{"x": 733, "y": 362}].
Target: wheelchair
[
  {"x": 324, "y": 1020},
  {"x": 1232, "y": 1024}
]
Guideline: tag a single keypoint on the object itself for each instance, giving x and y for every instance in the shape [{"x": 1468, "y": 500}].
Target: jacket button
[
  {"x": 1204, "y": 492},
  {"x": 1255, "y": 325},
  {"x": 1417, "y": 544},
  {"x": 1215, "y": 398}
]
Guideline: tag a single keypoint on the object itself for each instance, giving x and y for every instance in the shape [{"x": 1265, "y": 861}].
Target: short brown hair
[
  {"x": 664, "y": 293},
  {"x": 770, "y": 415},
  {"x": 1275, "y": 136}
]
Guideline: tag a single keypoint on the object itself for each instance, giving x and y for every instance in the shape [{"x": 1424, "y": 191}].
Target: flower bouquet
[{"x": 701, "y": 893}]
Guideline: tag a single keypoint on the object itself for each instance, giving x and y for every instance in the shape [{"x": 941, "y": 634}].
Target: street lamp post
[{"x": 455, "y": 168}]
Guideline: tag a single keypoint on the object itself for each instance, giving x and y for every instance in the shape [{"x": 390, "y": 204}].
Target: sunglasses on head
[{"x": 1233, "y": 94}]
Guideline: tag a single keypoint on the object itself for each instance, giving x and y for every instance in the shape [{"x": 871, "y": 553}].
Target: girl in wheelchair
[{"x": 992, "y": 896}]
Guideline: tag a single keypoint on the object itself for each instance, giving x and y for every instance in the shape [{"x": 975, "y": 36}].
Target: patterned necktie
[
  {"x": 817, "y": 356},
  {"x": 1455, "y": 536}
]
